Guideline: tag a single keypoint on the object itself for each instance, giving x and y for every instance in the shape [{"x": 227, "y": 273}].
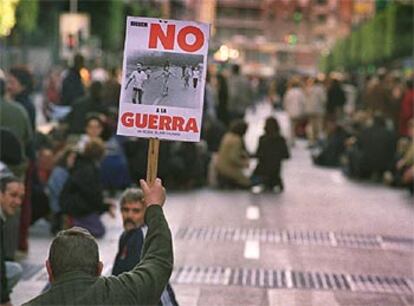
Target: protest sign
[{"x": 163, "y": 78}]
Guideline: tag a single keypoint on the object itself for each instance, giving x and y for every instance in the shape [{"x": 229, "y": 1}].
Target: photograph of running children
[{"x": 163, "y": 78}]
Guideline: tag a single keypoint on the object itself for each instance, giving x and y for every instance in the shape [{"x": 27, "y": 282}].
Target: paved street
[{"x": 325, "y": 241}]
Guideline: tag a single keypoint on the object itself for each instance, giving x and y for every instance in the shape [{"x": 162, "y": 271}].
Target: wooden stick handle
[{"x": 152, "y": 160}]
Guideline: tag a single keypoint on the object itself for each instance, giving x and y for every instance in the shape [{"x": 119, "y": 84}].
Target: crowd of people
[
  {"x": 66, "y": 174},
  {"x": 368, "y": 130},
  {"x": 363, "y": 126}
]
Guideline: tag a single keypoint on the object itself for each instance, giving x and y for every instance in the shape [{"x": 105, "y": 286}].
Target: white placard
[{"x": 163, "y": 78}]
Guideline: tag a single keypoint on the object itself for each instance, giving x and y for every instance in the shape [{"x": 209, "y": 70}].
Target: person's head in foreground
[{"x": 74, "y": 249}]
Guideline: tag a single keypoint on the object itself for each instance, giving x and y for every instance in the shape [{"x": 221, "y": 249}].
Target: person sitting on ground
[
  {"x": 270, "y": 153},
  {"x": 55, "y": 183},
  {"x": 82, "y": 195},
  {"x": 72, "y": 85},
  {"x": 94, "y": 129},
  {"x": 405, "y": 166},
  {"x": 329, "y": 151},
  {"x": 132, "y": 239},
  {"x": 82, "y": 107},
  {"x": 377, "y": 146},
  {"x": 11, "y": 198},
  {"x": 75, "y": 276},
  {"x": 232, "y": 157},
  {"x": 20, "y": 86}
]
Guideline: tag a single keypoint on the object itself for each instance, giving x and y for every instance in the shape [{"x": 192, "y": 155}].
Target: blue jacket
[{"x": 129, "y": 255}]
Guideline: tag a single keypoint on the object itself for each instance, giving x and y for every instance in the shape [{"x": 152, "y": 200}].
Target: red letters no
[
  {"x": 156, "y": 33},
  {"x": 196, "y": 45}
]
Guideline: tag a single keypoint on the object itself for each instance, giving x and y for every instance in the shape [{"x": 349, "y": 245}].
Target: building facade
[{"x": 278, "y": 36}]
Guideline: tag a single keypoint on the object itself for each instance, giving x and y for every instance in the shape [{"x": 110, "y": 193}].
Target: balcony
[
  {"x": 234, "y": 22},
  {"x": 248, "y": 4}
]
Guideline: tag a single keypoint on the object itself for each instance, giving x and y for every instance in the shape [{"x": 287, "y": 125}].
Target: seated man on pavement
[
  {"x": 74, "y": 268},
  {"x": 11, "y": 198},
  {"x": 132, "y": 239}
]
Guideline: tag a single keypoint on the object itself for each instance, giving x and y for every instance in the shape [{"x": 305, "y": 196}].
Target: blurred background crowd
[{"x": 58, "y": 124}]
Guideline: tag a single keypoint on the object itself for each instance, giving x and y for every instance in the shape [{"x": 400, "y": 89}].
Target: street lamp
[
  {"x": 225, "y": 53},
  {"x": 73, "y": 6}
]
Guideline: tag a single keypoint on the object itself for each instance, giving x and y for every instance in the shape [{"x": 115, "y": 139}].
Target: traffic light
[
  {"x": 70, "y": 41},
  {"x": 297, "y": 16},
  {"x": 291, "y": 39}
]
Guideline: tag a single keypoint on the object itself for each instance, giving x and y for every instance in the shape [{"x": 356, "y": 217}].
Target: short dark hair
[
  {"x": 379, "y": 119},
  {"x": 272, "y": 126},
  {"x": 6, "y": 180},
  {"x": 238, "y": 126},
  {"x": 94, "y": 116},
  {"x": 95, "y": 90},
  {"x": 94, "y": 149},
  {"x": 62, "y": 157},
  {"x": 24, "y": 76},
  {"x": 78, "y": 61},
  {"x": 132, "y": 195},
  {"x": 74, "y": 249},
  {"x": 235, "y": 69}
]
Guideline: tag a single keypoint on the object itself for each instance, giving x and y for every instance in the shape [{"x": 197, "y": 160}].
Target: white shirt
[
  {"x": 138, "y": 78},
  {"x": 196, "y": 73},
  {"x": 294, "y": 102}
]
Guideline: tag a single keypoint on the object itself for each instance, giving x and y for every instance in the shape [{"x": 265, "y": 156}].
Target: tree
[
  {"x": 26, "y": 16},
  {"x": 387, "y": 36},
  {"x": 108, "y": 19}
]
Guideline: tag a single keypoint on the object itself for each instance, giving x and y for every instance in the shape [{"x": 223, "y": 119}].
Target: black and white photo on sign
[{"x": 163, "y": 78}]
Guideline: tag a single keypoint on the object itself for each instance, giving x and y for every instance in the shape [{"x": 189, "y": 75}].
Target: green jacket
[
  {"x": 14, "y": 117},
  {"x": 141, "y": 286}
]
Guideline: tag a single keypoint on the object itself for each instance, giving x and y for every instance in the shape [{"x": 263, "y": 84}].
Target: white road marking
[
  {"x": 252, "y": 249},
  {"x": 226, "y": 279},
  {"x": 332, "y": 238},
  {"x": 252, "y": 213},
  {"x": 289, "y": 281}
]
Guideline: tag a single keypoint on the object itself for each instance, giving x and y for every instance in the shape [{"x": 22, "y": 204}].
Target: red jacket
[{"x": 407, "y": 111}]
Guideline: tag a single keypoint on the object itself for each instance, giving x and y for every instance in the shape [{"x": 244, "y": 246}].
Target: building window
[
  {"x": 249, "y": 14},
  {"x": 320, "y": 38},
  {"x": 227, "y": 13},
  {"x": 321, "y": 18},
  {"x": 283, "y": 56}
]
